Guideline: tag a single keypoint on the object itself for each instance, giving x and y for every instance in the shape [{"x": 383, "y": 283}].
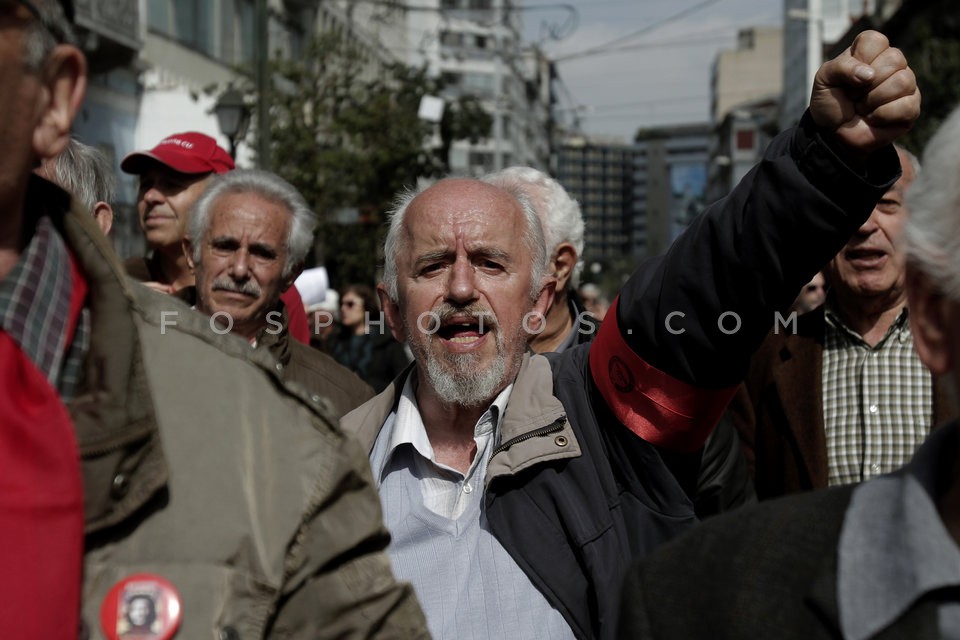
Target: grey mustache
[{"x": 247, "y": 288}]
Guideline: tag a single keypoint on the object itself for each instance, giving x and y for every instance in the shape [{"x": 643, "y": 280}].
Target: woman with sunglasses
[{"x": 364, "y": 344}]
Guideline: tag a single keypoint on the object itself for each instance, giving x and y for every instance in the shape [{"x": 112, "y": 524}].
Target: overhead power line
[
  {"x": 656, "y": 25},
  {"x": 685, "y": 42}
]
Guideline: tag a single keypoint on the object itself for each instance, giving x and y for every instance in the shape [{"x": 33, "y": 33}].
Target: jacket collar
[
  {"x": 919, "y": 622},
  {"x": 276, "y": 342},
  {"x": 534, "y": 427}
]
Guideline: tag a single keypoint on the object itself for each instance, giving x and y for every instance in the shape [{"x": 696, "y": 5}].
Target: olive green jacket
[{"x": 200, "y": 466}]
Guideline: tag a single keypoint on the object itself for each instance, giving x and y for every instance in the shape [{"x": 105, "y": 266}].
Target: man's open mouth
[{"x": 463, "y": 330}]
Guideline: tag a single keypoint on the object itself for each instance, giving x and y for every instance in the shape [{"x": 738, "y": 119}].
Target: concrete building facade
[
  {"x": 599, "y": 174},
  {"x": 475, "y": 46},
  {"x": 669, "y": 184},
  {"x": 752, "y": 71},
  {"x": 746, "y": 87}
]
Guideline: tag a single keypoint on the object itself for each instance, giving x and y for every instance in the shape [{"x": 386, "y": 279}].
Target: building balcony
[{"x": 109, "y": 32}]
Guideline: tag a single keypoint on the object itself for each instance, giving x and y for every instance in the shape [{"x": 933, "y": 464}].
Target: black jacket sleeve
[{"x": 747, "y": 256}]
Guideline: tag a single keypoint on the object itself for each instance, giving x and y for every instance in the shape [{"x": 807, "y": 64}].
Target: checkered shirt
[
  {"x": 877, "y": 401},
  {"x": 35, "y": 309}
]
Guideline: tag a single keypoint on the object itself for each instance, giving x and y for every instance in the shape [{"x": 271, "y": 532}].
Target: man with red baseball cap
[{"x": 172, "y": 176}]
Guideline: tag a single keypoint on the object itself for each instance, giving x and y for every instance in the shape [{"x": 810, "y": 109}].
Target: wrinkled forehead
[
  {"x": 463, "y": 210},
  {"x": 243, "y": 213}
]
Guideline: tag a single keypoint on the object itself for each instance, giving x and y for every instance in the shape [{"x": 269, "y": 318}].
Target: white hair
[
  {"x": 394, "y": 243},
  {"x": 268, "y": 186},
  {"x": 86, "y": 173},
  {"x": 559, "y": 214},
  {"x": 932, "y": 234}
]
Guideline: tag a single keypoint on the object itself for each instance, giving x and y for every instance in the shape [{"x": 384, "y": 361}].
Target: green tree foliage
[{"x": 346, "y": 133}]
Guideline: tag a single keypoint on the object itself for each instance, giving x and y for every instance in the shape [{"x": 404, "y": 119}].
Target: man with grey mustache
[{"x": 248, "y": 237}]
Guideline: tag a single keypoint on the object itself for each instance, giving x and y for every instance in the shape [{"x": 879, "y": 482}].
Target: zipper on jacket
[{"x": 556, "y": 425}]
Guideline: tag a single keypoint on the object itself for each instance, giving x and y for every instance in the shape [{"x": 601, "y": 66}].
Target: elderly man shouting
[{"x": 517, "y": 488}]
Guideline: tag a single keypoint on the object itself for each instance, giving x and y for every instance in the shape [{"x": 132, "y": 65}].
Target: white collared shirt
[{"x": 446, "y": 491}]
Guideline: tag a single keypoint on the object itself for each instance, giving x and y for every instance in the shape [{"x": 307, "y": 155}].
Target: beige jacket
[{"x": 200, "y": 466}]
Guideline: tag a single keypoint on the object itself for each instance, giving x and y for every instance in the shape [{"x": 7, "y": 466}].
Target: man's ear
[
  {"x": 65, "y": 83},
  {"x": 929, "y": 321},
  {"x": 187, "y": 245},
  {"x": 564, "y": 260},
  {"x": 392, "y": 311},
  {"x": 103, "y": 214},
  {"x": 545, "y": 298}
]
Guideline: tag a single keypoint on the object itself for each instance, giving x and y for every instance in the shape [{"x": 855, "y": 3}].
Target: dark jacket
[
  {"x": 141, "y": 268},
  {"x": 779, "y": 410},
  {"x": 572, "y": 492},
  {"x": 375, "y": 356},
  {"x": 317, "y": 372},
  {"x": 770, "y": 571},
  {"x": 767, "y": 571},
  {"x": 723, "y": 481}
]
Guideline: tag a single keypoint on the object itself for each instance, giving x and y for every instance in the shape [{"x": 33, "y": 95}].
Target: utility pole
[
  {"x": 261, "y": 56},
  {"x": 812, "y": 15},
  {"x": 497, "y": 85}
]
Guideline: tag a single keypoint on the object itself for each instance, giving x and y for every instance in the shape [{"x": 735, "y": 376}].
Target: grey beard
[
  {"x": 468, "y": 385},
  {"x": 459, "y": 379}
]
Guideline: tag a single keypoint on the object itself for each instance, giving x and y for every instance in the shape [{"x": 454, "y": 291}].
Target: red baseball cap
[{"x": 189, "y": 152}]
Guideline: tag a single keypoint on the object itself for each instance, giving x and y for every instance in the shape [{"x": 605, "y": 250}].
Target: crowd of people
[{"x": 479, "y": 445}]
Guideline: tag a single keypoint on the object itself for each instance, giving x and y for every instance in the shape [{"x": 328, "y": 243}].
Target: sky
[{"x": 664, "y": 80}]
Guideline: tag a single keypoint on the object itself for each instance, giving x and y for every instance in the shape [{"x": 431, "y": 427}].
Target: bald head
[{"x": 474, "y": 198}]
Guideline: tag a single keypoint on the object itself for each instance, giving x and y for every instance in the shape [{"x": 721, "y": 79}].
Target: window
[
  {"x": 187, "y": 21},
  {"x": 745, "y": 140},
  {"x": 451, "y": 79},
  {"x": 479, "y": 83},
  {"x": 451, "y": 39},
  {"x": 481, "y": 161}
]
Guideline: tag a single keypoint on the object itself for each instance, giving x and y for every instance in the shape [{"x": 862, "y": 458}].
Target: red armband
[{"x": 662, "y": 410}]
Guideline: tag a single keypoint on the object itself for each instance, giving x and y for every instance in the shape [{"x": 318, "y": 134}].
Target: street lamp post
[{"x": 233, "y": 116}]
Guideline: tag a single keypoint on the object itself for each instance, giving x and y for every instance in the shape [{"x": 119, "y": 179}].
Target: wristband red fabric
[
  {"x": 662, "y": 410},
  {"x": 41, "y": 497}
]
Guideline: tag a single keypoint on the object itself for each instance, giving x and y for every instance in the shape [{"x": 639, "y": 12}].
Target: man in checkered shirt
[
  {"x": 809, "y": 566},
  {"x": 840, "y": 395}
]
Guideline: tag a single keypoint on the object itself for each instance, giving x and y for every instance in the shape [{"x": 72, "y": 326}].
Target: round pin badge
[{"x": 143, "y": 606}]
